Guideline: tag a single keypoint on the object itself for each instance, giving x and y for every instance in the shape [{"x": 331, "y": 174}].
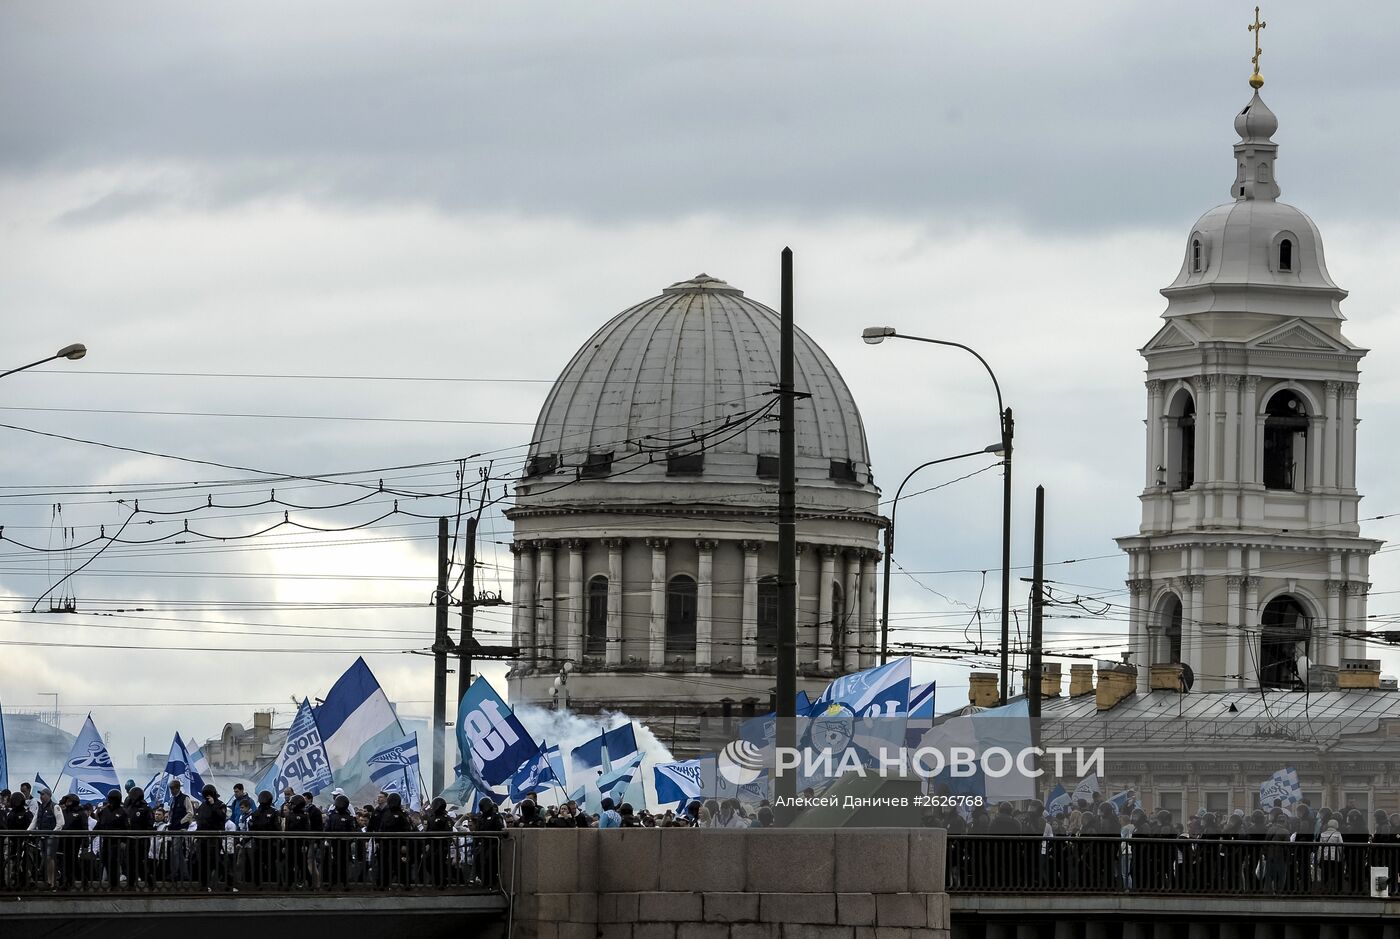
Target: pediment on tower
[
  {"x": 1299, "y": 335},
  {"x": 1174, "y": 335}
]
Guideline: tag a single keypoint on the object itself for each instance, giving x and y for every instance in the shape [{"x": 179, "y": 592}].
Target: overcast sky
[{"x": 468, "y": 190}]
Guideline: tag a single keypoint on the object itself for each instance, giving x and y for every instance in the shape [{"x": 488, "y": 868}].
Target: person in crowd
[
  {"x": 297, "y": 824},
  {"x": 762, "y": 819},
  {"x": 609, "y": 818},
  {"x": 16, "y": 819},
  {"x": 141, "y": 821},
  {"x": 112, "y": 818},
  {"x": 210, "y": 816},
  {"x": 181, "y": 814},
  {"x": 530, "y": 815},
  {"x": 393, "y": 850},
  {"x": 26, "y": 790},
  {"x": 73, "y": 819},
  {"x": 262, "y": 822},
  {"x": 47, "y": 818},
  {"x": 438, "y": 826},
  {"x": 236, "y": 811},
  {"x": 1329, "y": 857}
]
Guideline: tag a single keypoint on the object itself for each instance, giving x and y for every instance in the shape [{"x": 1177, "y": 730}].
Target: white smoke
[{"x": 568, "y": 729}]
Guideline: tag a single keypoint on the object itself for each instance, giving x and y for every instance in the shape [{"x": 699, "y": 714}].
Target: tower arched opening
[
  {"x": 1284, "y": 631},
  {"x": 1285, "y": 441},
  {"x": 1181, "y": 441},
  {"x": 1169, "y": 617}
]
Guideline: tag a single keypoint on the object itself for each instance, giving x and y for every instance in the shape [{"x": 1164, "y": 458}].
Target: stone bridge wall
[{"x": 677, "y": 883}]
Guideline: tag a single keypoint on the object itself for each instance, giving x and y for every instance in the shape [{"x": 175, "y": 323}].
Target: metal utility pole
[
  {"x": 1008, "y": 431},
  {"x": 1033, "y": 669},
  {"x": 440, "y": 645},
  {"x": 786, "y": 783},
  {"x": 467, "y": 642}
]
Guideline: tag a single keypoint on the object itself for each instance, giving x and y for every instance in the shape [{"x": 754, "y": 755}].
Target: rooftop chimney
[
  {"x": 1081, "y": 680},
  {"x": 1116, "y": 682},
  {"x": 982, "y": 690},
  {"x": 1359, "y": 673}
]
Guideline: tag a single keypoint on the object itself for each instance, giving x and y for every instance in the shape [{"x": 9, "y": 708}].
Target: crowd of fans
[
  {"x": 127, "y": 843},
  {"x": 1094, "y": 844}
]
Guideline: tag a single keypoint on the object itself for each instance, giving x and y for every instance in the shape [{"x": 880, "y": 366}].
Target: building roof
[
  {"x": 1166, "y": 718},
  {"x": 675, "y": 374}
]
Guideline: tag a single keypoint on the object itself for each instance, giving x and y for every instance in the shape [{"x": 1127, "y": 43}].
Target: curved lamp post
[
  {"x": 889, "y": 541},
  {"x": 874, "y": 335},
  {"x": 72, "y": 352}
]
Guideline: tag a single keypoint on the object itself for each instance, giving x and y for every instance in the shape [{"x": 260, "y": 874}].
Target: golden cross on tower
[{"x": 1256, "y": 81}]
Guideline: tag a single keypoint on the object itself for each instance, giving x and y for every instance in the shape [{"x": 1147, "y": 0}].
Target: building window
[
  {"x": 1285, "y": 441},
  {"x": 768, "y": 616},
  {"x": 768, "y": 467},
  {"x": 1218, "y": 803},
  {"x": 1172, "y": 802},
  {"x": 843, "y": 471},
  {"x": 1181, "y": 441},
  {"x": 596, "y": 628},
  {"x": 1283, "y": 637},
  {"x": 1196, "y": 265},
  {"x": 1285, "y": 255},
  {"x": 1169, "y": 622},
  {"x": 680, "y": 615},
  {"x": 1358, "y": 800},
  {"x": 1263, "y": 172},
  {"x": 541, "y": 465},
  {"x": 837, "y": 626},
  {"x": 685, "y": 464},
  {"x": 596, "y": 464}
]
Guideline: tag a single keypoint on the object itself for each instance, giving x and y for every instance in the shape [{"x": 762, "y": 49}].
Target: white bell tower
[{"x": 1249, "y": 559}]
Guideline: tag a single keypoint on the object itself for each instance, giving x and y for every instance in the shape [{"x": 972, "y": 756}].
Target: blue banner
[
  {"x": 882, "y": 691},
  {"x": 396, "y": 768},
  {"x": 599, "y": 754},
  {"x": 89, "y": 766},
  {"x": 489, "y": 731},
  {"x": 681, "y": 781},
  {"x": 534, "y": 775},
  {"x": 302, "y": 764}
]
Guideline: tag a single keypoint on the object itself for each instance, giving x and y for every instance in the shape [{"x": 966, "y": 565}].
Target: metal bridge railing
[
  {"x": 991, "y": 864},
  {"x": 83, "y": 862}
]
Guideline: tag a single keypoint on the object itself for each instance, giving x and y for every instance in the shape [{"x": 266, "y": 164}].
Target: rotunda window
[
  {"x": 680, "y": 615},
  {"x": 1196, "y": 263},
  {"x": 1181, "y": 441},
  {"x": 1285, "y": 255},
  {"x": 596, "y": 627},
  {"x": 768, "y": 616}
]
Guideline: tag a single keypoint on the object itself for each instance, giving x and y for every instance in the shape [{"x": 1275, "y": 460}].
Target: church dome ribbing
[{"x": 692, "y": 373}]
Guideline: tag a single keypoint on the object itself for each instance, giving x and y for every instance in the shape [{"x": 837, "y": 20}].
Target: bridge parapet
[{"x": 664, "y": 883}]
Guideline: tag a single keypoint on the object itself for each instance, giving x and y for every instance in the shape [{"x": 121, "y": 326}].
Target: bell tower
[{"x": 1249, "y": 561}]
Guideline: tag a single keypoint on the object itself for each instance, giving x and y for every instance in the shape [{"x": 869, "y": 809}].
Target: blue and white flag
[
  {"x": 39, "y": 784},
  {"x": 1086, "y": 789},
  {"x": 489, "y": 731},
  {"x": 605, "y": 750},
  {"x": 921, "y": 700},
  {"x": 556, "y": 763},
  {"x": 355, "y": 722},
  {"x": 681, "y": 781},
  {"x": 1120, "y": 800},
  {"x": 1282, "y": 785},
  {"x": 534, "y": 775},
  {"x": 1006, "y": 727},
  {"x": 396, "y": 769},
  {"x": 617, "y": 783},
  {"x": 882, "y": 691},
  {"x": 199, "y": 763},
  {"x": 302, "y": 764},
  {"x": 1058, "y": 802},
  {"x": 89, "y": 766},
  {"x": 468, "y": 789},
  {"x": 4, "y": 758},
  {"x": 178, "y": 765},
  {"x": 157, "y": 790}
]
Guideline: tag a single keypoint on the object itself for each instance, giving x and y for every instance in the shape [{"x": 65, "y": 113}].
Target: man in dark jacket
[
  {"x": 112, "y": 818},
  {"x": 177, "y": 823},
  {"x": 392, "y": 851},
  {"x": 210, "y": 817},
  {"x": 341, "y": 826},
  {"x": 139, "y": 819},
  {"x": 263, "y": 821}
]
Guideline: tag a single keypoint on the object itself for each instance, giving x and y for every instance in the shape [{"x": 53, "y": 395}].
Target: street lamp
[
  {"x": 71, "y": 352},
  {"x": 889, "y": 540},
  {"x": 874, "y": 335}
]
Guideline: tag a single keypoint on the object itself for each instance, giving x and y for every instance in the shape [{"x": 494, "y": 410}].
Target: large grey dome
[{"x": 683, "y": 373}]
